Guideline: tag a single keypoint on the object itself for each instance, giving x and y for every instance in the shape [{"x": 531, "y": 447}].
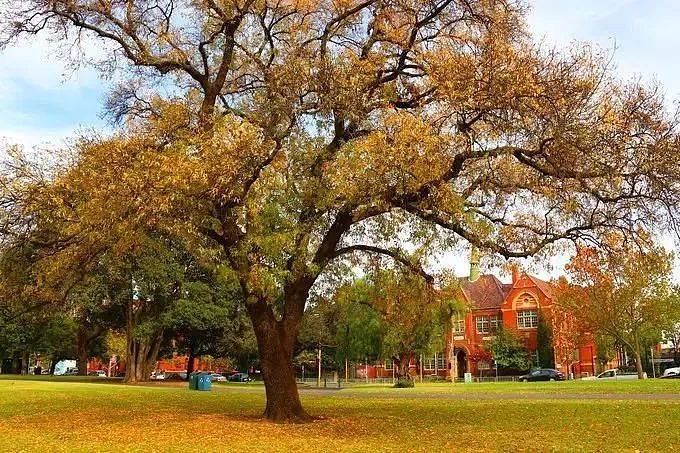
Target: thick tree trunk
[
  {"x": 53, "y": 364},
  {"x": 141, "y": 354},
  {"x": 84, "y": 339},
  {"x": 275, "y": 340},
  {"x": 141, "y": 360},
  {"x": 82, "y": 349},
  {"x": 16, "y": 363},
  {"x": 638, "y": 364},
  {"x": 403, "y": 361}
]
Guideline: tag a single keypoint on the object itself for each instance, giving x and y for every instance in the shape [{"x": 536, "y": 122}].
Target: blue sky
[{"x": 44, "y": 102}]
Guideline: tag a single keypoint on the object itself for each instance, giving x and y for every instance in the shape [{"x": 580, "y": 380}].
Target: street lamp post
[{"x": 318, "y": 379}]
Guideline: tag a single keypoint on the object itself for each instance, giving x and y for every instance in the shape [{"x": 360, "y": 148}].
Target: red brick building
[{"x": 517, "y": 306}]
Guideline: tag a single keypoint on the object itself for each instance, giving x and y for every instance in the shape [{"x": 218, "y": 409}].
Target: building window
[
  {"x": 494, "y": 322},
  {"x": 437, "y": 359},
  {"x": 458, "y": 326},
  {"x": 388, "y": 365},
  {"x": 482, "y": 324},
  {"x": 527, "y": 319}
]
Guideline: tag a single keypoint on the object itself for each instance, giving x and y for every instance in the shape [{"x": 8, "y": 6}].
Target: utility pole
[
  {"x": 451, "y": 359},
  {"x": 346, "y": 369},
  {"x": 651, "y": 350},
  {"x": 318, "y": 379},
  {"x": 366, "y": 370}
]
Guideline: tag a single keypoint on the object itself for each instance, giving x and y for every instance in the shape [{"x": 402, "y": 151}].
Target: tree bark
[
  {"x": 84, "y": 339},
  {"x": 403, "y": 361},
  {"x": 24, "y": 362},
  {"x": 141, "y": 354},
  {"x": 16, "y": 363},
  {"x": 638, "y": 362},
  {"x": 53, "y": 364},
  {"x": 275, "y": 341},
  {"x": 191, "y": 356},
  {"x": 141, "y": 359}
]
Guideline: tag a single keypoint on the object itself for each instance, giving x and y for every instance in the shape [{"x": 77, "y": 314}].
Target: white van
[
  {"x": 671, "y": 371},
  {"x": 614, "y": 374},
  {"x": 64, "y": 367}
]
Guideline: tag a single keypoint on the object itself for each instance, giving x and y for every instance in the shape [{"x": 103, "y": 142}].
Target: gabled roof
[
  {"x": 544, "y": 286},
  {"x": 484, "y": 293}
]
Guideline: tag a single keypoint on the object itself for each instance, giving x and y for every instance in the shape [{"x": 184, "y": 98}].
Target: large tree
[
  {"x": 622, "y": 291},
  {"x": 282, "y": 136}
]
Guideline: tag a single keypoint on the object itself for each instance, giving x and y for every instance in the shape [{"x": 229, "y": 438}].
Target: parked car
[
  {"x": 157, "y": 375},
  {"x": 671, "y": 376},
  {"x": 97, "y": 373},
  {"x": 239, "y": 377},
  {"x": 613, "y": 374},
  {"x": 671, "y": 372},
  {"x": 543, "y": 374},
  {"x": 176, "y": 376},
  {"x": 71, "y": 371},
  {"x": 216, "y": 377}
]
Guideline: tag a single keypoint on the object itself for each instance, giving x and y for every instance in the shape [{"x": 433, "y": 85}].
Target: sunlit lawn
[
  {"x": 565, "y": 387},
  {"x": 67, "y": 415}
]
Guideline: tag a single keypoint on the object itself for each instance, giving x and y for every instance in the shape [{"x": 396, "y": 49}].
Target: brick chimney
[{"x": 515, "y": 273}]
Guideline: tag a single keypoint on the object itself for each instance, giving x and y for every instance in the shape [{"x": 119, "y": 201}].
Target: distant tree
[
  {"x": 672, "y": 336},
  {"x": 411, "y": 315},
  {"x": 545, "y": 350},
  {"x": 623, "y": 291},
  {"x": 359, "y": 330},
  {"x": 238, "y": 342},
  {"x": 204, "y": 309},
  {"x": 509, "y": 351},
  {"x": 607, "y": 348}
]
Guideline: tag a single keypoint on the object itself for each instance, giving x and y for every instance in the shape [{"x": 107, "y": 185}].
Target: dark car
[
  {"x": 239, "y": 377},
  {"x": 542, "y": 374}
]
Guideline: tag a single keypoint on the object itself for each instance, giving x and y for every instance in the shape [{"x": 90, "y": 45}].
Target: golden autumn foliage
[
  {"x": 277, "y": 137},
  {"x": 623, "y": 291}
]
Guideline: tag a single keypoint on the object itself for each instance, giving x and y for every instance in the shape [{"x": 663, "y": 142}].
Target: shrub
[{"x": 404, "y": 383}]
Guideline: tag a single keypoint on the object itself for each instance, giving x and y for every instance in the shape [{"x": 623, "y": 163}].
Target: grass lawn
[
  {"x": 651, "y": 386},
  {"x": 76, "y": 415}
]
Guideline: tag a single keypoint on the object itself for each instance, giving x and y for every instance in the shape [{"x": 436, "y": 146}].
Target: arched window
[
  {"x": 527, "y": 311},
  {"x": 525, "y": 300}
]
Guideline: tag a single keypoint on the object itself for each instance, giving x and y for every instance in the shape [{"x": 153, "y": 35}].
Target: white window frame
[
  {"x": 458, "y": 326},
  {"x": 494, "y": 322},
  {"x": 484, "y": 322},
  {"x": 389, "y": 365},
  {"x": 527, "y": 319},
  {"x": 440, "y": 358}
]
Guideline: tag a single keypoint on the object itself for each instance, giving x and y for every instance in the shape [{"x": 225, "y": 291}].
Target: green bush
[{"x": 404, "y": 383}]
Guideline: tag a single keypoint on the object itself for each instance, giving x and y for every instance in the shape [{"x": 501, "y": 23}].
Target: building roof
[
  {"x": 485, "y": 292},
  {"x": 544, "y": 286}
]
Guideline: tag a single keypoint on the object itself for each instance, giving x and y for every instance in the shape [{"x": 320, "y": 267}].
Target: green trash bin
[
  {"x": 205, "y": 382},
  {"x": 193, "y": 381}
]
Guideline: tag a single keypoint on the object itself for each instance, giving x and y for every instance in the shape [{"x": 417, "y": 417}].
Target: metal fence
[{"x": 341, "y": 382}]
